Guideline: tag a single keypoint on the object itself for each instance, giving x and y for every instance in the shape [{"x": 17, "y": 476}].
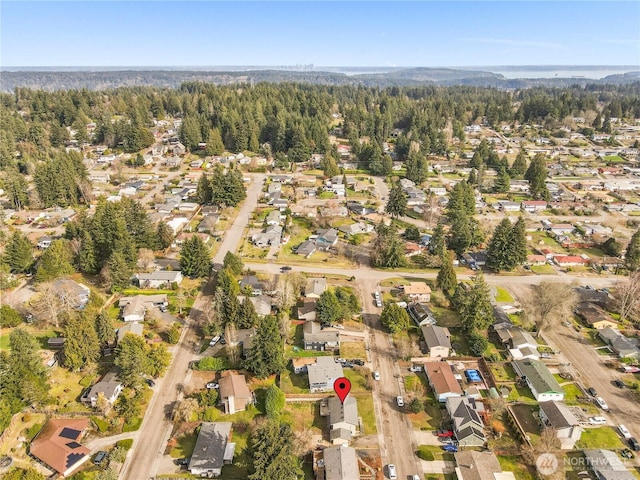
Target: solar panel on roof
[
  {"x": 70, "y": 433},
  {"x": 73, "y": 458},
  {"x": 73, "y": 445}
]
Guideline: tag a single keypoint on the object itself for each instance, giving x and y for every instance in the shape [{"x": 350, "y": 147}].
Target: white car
[
  {"x": 393, "y": 475},
  {"x": 415, "y": 368},
  {"x": 376, "y": 375},
  {"x": 211, "y": 385},
  {"x": 601, "y": 403},
  {"x": 624, "y": 432},
  {"x": 400, "y": 401},
  {"x": 597, "y": 420},
  {"x": 214, "y": 340}
]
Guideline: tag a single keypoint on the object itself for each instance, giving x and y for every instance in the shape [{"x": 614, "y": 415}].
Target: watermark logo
[{"x": 547, "y": 464}]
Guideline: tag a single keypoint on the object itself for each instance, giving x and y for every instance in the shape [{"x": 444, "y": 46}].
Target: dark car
[
  {"x": 285, "y": 268},
  {"x": 592, "y": 392},
  {"x": 618, "y": 383},
  {"x": 99, "y": 458},
  {"x": 634, "y": 444},
  {"x": 150, "y": 382},
  {"x": 182, "y": 461},
  {"x": 358, "y": 362}
]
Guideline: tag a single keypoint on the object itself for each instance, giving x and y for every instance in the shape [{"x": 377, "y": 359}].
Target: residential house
[
  {"x": 594, "y": 316},
  {"x": 358, "y": 208},
  {"x": 315, "y": 287},
  {"x": 306, "y": 248},
  {"x": 100, "y": 177},
  {"x": 323, "y": 373},
  {"x": 438, "y": 191},
  {"x": 178, "y": 149},
  {"x": 519, "y": 343},
  {"x": 208, "y": 224},
  {"x": 418, "y": 292},
  {"x": 442, "y": 380},
  {"x": 159, "y": 279},
  {"x": 340, "y": 463},
  {"x": 561, "y": 228},
  {"x": 209, "y": 210},
  {"x": 57, "y": 444},
  {"x": 307, "y": 309},
  {"x": 607, "y": 465},
  {"x": 243, "y": 338},
  {"x": 73, "y": 294},
  {"x": 570, "y": 260},
  {"x": 506, "y": 206},
  {"x": 134, "y": 328},
  {"x": 252, "y": 284},
  {"x": 356, "y": 228},
  {"x": 592, "y": 296},
  {"x": 274, "y": 218},
  {"x": 318, "y": 338},
  {"x": 45, "y": 242},
  {"x": 300, "y": 364},
  {"x": 536, "y": 259},
  {"x": 234, "y": 392},
  {"x": 438, "y": 340},
  {"x": 133, "y": 308},
  {"x": 174, "y": 161},
  {"x": 557, "y": 415},
  {"x": 411, "y": 249},
  {"x": 421, "y": 314},
  {"x": 342, "y": 419},
  {"x": 539, "y": 379},
  {"x": 213, "y": 449},
  {"x": 621, "y": 345},
  {"x": 533, "y": 206},
  {"x": 467, "y": 423},
  {"x": 177, "y": 223},
  {"x": 109, "y": 386},
  {"x": 262, "y": 304},
  {"x": 326, "y": 239},
  {"x": 474, "y": 465},
  {"x": 271, "y": 236}
]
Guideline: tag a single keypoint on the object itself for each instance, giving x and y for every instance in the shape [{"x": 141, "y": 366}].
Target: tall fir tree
[
  {"x": 437, "y": 244},
  {"x": 81, "y": 346},
  {"x": 447, "y": 279},
  {"x": 397, "y": 202},
  {"x": 632, "y": 255},
  {"x": 203, "y": 191},
  {"x": 118, "y": 271},
  {"x": 499, "y": 252},
  {"x": 247, "y": 315},
  {"x": 502, "y": 182},
  {"x": 266, "y": 357},
  {"x": 518, "y": 243},
  {"x": 215, "y": 146},
  {"x": 55, "y": 262},
  {"x": 87, "y": 261},
  {"x": 18, "y": 253},
  {"x": 519, "y": 166},
  {"x": 195, "y": 259},
  {"x": 536, "y": 174}
]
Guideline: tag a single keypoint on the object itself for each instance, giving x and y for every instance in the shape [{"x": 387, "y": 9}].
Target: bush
[
  {"x": 211, "y": 414},
  {"x": 132, "y": 425},
  {"x": 425, "y": 453},
  {"x": 127, "y": 443},
  {"x": 9, "y": 317},
  {"x": 101, "y": 424},
  {"x": 118, "y": 454},
  {"x": 416, "y": 405},
  {"x": 211, "y": 364}
]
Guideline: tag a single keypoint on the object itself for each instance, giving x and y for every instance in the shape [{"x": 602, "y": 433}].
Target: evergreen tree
[
  {"x": 417, "y": 167},
  {"x": 195, "y": 259},
  {"x": 537, "y": 176},
  {"x": 55, "y": 262},
  {"x": 499, "y": 252},
  {"x": 16, "y": 189},
  {"x": 412, "y": 233},
  {"x": 446, "y": 279},
  {"x": 473, "y": 178},
  {"x": 519, "y": 166},
  {"x": 214, "y": 143},
  {"x": 203, "y": 191},
  {"x": 24, "y": 376},
  {"x": 233, "y": 263},
  {"x": 274, "y": 402},
  {"x": 473, "y": 304},
  {"x": 190, "y": 133},
  {"x": 118, "y": 272},
  {"x": 266, "y": 357},
  {"x": 502, "y": 182},
  {"x": 138, "y": 228},
  {"x": 104, "y": 329},
  {"x": 394, "y": 318},
  {"x": 131, "y": 357},
  {"x": 328, "y": 308},
  {"x": 329, "y": 167},
  {"x": 397, "y": 203},
  {"x": 437, "y": 244},
  {"x": 81, "y": 346},
  {"x": 271, "y": 452},
  {"x": 87, "y": 261},
  {"x": 632, "y": 255},
  {"x": 164, "y": 236},
  {"x": 518, "y": 243},
  {"x": 247, "y": 315},
  {"x": 18, "y": 253},
  {"x": 387, "y": 250}
]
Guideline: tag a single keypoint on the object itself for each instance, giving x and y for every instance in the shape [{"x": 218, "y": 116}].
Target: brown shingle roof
[
  {"x": 442, "y": 378},
  {"x": 57, "y": 443}
]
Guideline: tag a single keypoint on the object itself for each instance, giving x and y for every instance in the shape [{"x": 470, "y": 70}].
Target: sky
[{"x": 328, "y": 33}]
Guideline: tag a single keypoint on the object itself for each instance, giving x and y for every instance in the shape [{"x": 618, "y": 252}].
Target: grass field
[
  {"x": 543, "y": 269},
  {"x": 503, "y": 296},
  {"x": 516, "y": 465},
  {"x": 602, "y": 437},
  {"x": 352, "y": 350}
]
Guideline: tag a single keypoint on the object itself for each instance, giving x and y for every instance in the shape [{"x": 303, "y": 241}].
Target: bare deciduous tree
[
  {"x": 549, "y": 302},
  {"x": 185, "y": 409},
  {"x": 47, "y": 305},
  {"x": 627, "y": 297},
  {"x": 146, "y": 259}
]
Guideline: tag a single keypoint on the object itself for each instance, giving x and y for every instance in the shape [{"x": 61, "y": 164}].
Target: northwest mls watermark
[{"x": 548, "y": 463}]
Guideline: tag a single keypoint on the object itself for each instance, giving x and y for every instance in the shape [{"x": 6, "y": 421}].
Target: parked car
[
  {"x": 597, "y": 420},
  {"x": 592, "y": 392},
  {"x": 211, "y": 385},
  {"x": 415, "y": 368},
  {"x": 99, "y": 458},
  {"x": 376, "y": 375},
  {"x": 626, "y": 453},
  {"x": 400, "y": 401},
  {"x": 444, "y": 433},
  {"x": 601, "y": 403},
  {"x": 452, "y": 448},
  {"x": 634, "y": 444},
  {"x": 150, "y": 382},
  {"x": 624, "y": 432},
  {"x": 618, "y": 383},
  {"x": 286, "y": 268},
  {"x": 182, "y": 462},
  {"x": 340, "y": 360},
  {"x": 393, "y": 475},
  {"x": 357, "y": 361},
  {"x": 214, "y": 340}
]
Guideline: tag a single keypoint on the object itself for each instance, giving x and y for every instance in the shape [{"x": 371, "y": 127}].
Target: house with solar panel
[{"x": 57, "y": 445}]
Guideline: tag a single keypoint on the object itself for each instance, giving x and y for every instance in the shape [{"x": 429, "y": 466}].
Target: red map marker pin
[{"x": 342, "y": 387}]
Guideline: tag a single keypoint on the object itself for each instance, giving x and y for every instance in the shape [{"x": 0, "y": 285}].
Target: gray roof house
[
  {"x": 273, "y": 218},
  {"x": 438, "y": 340},
  {"x": 341, "y": 463},
  {"x": 539, "y": 379},
  {"x": 521, "y": 344},
  {"x": 158, "y": 279},
  {"x": 271, "y": 236},
  {"x": 306, "y": 248},
  {"x": 356, "y": 228},
  {"x": 558, "y": 416},
  {"x": 473, "y": 465},
  {"x": 342, "y": 419},
  {"x": 134, "y": 328},
  {"x": 317, "y": 338},
  {"x": 323, "y": 373},
  {"x": 243, "y": 338},
  {"x": 621, "y": 345},
  {"x": 213, "y": 449},
  {"x": 467, "y": 424},
  {"x": 315, "y": 287},
  {"x": 208, "y": 224},
  {"x": 326, "y": 238},
  {"x": 421, "y": 314},
  {"x": 262, "y": 303},
  {"x": 71, "y": 293},
  {"x": 307, "y": 310},
  {"x": 607, "y": 465},
  {"x": 133, "y": 309},
  {"x": 109, "y": 386},
  {"x": 251, "y": 283}
]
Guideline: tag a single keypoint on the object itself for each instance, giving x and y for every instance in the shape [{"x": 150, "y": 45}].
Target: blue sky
[{"x": 330, "y": 33}]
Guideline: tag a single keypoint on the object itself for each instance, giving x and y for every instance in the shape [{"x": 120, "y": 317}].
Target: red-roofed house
[
  {"x": 57, "y": 444},
  {"x": 570, "y": 260}
]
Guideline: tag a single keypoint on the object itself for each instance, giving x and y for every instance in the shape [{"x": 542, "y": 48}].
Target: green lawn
[
  {"x": 602, "y": 437},
  {"x": 502, "y": 296},
  {"x": 543, "y": 269},
  {"x": 185, "y": 446},
  {"x": 516, "y": 465}
]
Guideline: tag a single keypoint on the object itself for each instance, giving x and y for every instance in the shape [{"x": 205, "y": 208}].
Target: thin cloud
[{"x": 515, "y": 43}]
